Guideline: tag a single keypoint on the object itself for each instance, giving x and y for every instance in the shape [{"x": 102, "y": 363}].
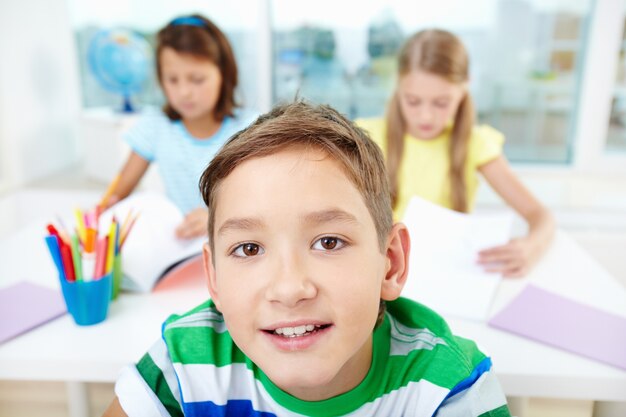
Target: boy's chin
[{"x": 305, "y": 383}]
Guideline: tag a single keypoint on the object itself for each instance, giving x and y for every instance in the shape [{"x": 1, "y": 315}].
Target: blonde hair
[{"x": 441, "y": 53}]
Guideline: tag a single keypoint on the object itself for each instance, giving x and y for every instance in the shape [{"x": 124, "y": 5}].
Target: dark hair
[
  {"x": 300, "y": 124},
  {"x": 198, "y": 36}
]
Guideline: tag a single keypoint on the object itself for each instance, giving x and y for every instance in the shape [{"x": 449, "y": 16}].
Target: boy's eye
[
  {"x": 328, "y": 243},
  {"x": 197, "y": 80},
  {"x": 248, "y": 249}
]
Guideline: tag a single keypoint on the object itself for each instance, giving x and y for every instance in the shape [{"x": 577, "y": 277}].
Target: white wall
[{"x": 39, "y": 90}]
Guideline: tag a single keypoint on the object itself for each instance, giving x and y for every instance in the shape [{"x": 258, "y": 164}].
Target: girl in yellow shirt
[{"x": 434, "y": 149}]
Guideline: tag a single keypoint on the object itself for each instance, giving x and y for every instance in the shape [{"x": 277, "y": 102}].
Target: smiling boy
[{"x": 305, "y": 270}]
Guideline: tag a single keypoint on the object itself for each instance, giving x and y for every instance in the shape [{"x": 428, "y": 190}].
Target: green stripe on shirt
[
  {"x": 202, "y": 345},
  {"x": 153, "y": 376},
  {"x": 502, "y": 411}
]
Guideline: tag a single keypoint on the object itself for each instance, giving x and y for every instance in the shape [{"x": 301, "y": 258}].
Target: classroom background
[{"x": 550, "y": 74}]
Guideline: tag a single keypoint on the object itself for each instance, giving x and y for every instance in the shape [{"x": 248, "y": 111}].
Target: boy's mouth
[
  {"x": 297, "y": 336},
  {"x": 298, "y": 331}
]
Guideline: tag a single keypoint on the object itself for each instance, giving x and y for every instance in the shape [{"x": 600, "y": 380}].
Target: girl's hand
[
  {"x": 194, "y": 224},
  {"x": 113, "y": 199},
  {"x": 512, "y": 260}
]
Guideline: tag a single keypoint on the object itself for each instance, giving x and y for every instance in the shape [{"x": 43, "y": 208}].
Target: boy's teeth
[{"x": 297, "y": 331}]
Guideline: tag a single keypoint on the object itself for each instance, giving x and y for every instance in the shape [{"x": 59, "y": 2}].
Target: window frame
[{"x": 596, "y": 91}]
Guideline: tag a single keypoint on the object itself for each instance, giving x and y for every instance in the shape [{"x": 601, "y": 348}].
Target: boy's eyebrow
[
  {"x": 316, "y": 217},
  {"x": 330, "y": 215},
  {"x": 240, "y": 223}
]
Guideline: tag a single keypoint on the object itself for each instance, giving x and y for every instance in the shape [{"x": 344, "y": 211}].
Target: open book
[
  {"x": 443, "y": 273},
  {"x": 151, "y": 248}
]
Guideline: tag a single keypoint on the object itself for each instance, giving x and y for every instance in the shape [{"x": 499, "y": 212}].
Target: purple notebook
[
  {"x": 566, "y": 324},
  {"x": 25, "y": 305}
]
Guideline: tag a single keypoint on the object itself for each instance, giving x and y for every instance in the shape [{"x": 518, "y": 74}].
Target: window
[
  {"x": 534, "y": 73},
  {"x": 90, "y": 16},
  {"x": 616, "y": 136},
  {"x": 526, "y": 58}
]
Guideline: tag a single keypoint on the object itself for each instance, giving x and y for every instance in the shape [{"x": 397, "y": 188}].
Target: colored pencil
[
  {"x": 109, "y": 190},
  {"x": 76, "y": 257},
  {"x": 111, "y": 247},
  {"x": 130, "y": 227},
  {"x": 101, "y": 256},
  {"x": 68, "y": 266},
  {"x": 80, "y": 224},
  {"x": 53, "y": 246}
]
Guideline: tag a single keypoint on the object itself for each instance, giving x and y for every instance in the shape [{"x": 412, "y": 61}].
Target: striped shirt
[
  {"x": 418, "y": 369},
  {"x": 180, "y": 157}
]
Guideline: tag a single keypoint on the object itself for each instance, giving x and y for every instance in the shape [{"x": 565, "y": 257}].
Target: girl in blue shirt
[{"x": 197, "y": 71}]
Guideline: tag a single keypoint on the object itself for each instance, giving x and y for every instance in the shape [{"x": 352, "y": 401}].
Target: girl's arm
[
  {"x": 516, "y": 257},
  {"x": 130, "y": 175},
  {"x": 114, "y": 410}
]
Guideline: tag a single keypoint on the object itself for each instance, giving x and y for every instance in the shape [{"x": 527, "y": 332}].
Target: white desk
[
  {"x": 530, "y": 369},
  {"x": 63, "y": 351}
]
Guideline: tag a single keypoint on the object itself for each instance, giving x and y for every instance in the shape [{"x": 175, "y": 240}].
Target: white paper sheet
[
  {"x": 443, "y": 273},
  {"x": 152, "y": 245}
]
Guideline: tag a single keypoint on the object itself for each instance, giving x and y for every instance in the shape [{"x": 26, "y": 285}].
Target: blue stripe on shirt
[
  {"x": 231, "y": 408},
  {"x": 481, "y": 368}
]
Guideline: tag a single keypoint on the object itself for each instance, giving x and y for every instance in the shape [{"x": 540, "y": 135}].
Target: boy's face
[{"x": 298, "y": 272}]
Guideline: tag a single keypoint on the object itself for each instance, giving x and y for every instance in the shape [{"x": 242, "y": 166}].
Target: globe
[{"x": 120, "y": 59}]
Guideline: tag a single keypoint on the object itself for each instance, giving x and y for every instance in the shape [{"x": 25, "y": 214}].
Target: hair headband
[{"x": 188, "y": 21}]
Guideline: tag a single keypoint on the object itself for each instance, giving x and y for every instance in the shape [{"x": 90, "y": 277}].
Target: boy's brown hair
[
  {"x": 303, "y": 125},
  {"x": 300, "y": 124},
  {"x": 198, "y": 36}
]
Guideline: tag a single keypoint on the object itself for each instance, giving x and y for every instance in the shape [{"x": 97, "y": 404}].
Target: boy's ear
[
  {"x": 209, "y": 271},
  {"x": 398, "y": 248}
]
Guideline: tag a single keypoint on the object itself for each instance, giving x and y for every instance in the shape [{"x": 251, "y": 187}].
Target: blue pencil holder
[{"x": 88, "y": 301}]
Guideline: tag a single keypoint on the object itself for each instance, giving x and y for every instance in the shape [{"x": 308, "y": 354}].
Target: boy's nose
[{"x": 290, "y": 282}]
